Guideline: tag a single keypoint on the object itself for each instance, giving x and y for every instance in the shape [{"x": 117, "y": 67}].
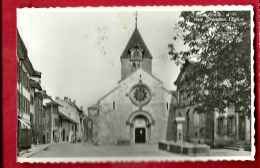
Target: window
[
  {"x": 196, "y": 123},
  {"x": 29, "y": 106},
  {"x": 114, "y": 105},
  {"x": 43, "y": 125},
  {"x": 31, "y": 99},
  {"x": 231, "y": 125},
  {"x": 221, "y": 126},
  {"x": 184, "y": 94},
  {"x": 196, "y": 119},
  {"x": 24, "y": 104},
  {"x": 167, "y": 106},
  {"x": 31, "y": 117},
  {"x": 181, "y": 96},
  {"x": 40, "y": 103}
]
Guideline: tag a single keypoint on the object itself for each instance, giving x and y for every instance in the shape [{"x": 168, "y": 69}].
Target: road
[{"x": 88, "y": 150}]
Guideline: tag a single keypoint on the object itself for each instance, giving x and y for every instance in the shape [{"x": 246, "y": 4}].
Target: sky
[{"x": 78, "y": 50}]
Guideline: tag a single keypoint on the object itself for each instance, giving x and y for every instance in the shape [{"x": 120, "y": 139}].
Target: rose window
[{"x": 140, "y": 94}]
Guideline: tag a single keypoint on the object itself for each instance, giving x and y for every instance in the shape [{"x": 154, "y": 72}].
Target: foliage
[{"x": 220, "y": 44}]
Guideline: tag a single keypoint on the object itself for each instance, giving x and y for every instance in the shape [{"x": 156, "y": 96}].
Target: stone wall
[{"x": 127, "y": 67}]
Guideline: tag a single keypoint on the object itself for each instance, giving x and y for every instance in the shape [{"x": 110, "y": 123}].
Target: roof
[
  {"x": 184, "y": 68},
  {"x": 95, "y": 106},
  {"x": 21, "y": 49},
  {"x": 35, "y": 84},
  {"x": 66, "y": 117},
  {"x": 22, "y": 54},
  {"x": 74, "y": 105},
  {"x": 136, "y": 38},
  {"x": 108, "y": 94}
]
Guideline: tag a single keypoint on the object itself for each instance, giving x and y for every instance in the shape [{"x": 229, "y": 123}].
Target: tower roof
[{"x": 136, "y": 39}]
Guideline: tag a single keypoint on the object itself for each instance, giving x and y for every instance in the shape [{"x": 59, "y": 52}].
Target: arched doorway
[
  {"x": 140, "y": 129},
  {"x": 140, "y": 126}
]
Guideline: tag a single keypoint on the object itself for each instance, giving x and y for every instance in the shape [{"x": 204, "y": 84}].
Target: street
[{"x": 89, "y": 150}]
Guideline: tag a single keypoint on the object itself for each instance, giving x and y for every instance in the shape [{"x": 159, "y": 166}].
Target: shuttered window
[
  {"x": 222, "y": 126},
  {"x": 231, "y": 125}
]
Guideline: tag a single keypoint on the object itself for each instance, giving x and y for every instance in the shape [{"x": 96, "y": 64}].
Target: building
[
  {"x": 28, "y": 81},
  {"x": 38, "y": 117},
  {"x": 69, "y": 119},
  {"x": 51, "y": 120},
  {"x": 211, "y": 127},
  {"x": 138, "y": 109}
]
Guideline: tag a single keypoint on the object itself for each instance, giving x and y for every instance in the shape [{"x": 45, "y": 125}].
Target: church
[{"x": 138, "y": 109}]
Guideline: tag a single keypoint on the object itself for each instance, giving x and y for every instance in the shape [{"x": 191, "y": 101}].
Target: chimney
[
  {"x": 81, "y": 108},
  {"x": 57, "y": 99},
  {"x": 66, "y": 98},
  {"x": 74, "y": 101}
]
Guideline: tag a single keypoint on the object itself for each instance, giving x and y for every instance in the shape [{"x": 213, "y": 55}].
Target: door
[
  {"x": 241, "y": 125},
  {"x": 140, "y": 135},
  {"x": 63, "y": 134}
]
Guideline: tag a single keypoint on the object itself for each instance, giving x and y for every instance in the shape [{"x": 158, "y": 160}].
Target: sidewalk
[{"x": 33, "y": 150}]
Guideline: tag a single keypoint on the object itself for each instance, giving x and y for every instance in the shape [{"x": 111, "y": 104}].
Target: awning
[{"x": 28, "y": 126}]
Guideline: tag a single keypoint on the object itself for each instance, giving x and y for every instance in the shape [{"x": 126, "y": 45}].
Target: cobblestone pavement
[{"x": 89, "y": 150}]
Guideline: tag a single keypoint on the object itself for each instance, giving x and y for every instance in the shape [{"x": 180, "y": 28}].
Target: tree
[{"x": 220, "y": 44}]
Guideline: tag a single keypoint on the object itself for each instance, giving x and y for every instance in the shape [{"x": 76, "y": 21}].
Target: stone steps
[{"x": 239, "y": 146}]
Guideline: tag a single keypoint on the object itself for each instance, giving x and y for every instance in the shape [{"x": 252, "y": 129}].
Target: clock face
[{"x": 140, "y": 94}]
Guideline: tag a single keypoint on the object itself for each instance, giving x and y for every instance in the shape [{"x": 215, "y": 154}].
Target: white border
[{"x": 158, "y": 158}]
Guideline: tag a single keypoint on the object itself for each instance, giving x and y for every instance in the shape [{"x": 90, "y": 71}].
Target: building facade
[
  {"x": 28, "y": 81},
  {"x": 38, "y": 118},
  {"x": 69, "y": 120},
  {"x": 212, "y": 128},
  {"x": 138, "y": 109}
]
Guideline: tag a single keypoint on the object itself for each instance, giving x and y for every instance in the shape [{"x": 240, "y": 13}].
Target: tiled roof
[{"x": 136, "y": 38}]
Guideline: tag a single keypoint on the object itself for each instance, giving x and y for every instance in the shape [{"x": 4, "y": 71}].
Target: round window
[{"x": 140, "y": 94}]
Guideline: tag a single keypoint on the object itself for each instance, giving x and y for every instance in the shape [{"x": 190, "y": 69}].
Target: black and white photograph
[{"x": 112, "y": 84}]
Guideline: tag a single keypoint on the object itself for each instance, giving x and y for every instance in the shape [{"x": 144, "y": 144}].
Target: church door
[{"x": 140, "y": 135}]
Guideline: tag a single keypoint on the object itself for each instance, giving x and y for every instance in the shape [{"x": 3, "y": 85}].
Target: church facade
[{"x": 138, "y": 109}]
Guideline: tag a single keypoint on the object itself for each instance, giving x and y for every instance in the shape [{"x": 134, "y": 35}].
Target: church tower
[{"x": 135, "y": 55}]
